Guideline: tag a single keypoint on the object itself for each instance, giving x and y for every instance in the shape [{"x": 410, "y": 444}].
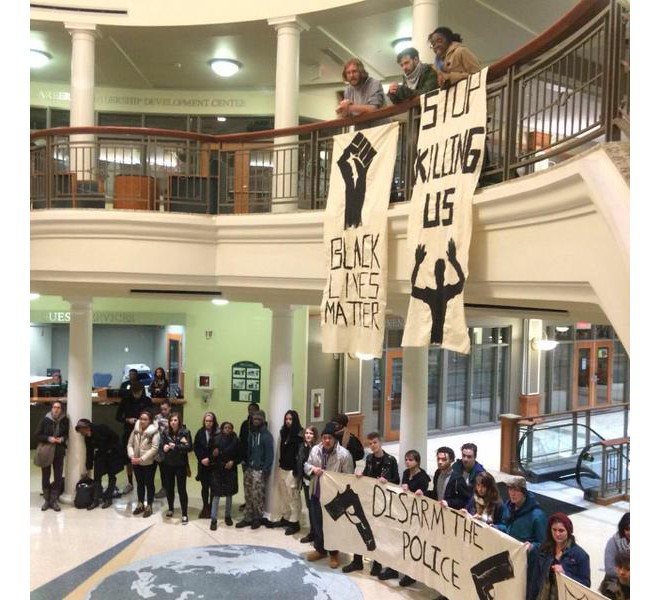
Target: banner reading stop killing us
[
  {"x": 450, "y": 148},
  {"x": 355, "y": 239},
  {"x": 441, "y": 547}
]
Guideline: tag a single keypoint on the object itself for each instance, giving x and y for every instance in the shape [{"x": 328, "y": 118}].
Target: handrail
[{"x": 557, "y": 32}]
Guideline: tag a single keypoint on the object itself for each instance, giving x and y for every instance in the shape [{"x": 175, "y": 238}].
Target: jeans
[{"x": 214, "y": 507}]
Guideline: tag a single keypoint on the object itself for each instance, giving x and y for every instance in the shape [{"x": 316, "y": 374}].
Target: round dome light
[
  {"x": 219, "y": 301},
  {"x": 225, "y": 67},
  {"x": 39, "y": 58},
  {"x": 401, "y": 44},
  {"x": 34, "y": 296}
]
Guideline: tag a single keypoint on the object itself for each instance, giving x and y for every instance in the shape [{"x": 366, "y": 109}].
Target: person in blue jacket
[
  {"x": 558, "y": 554},
  {"x": 525, "y": 521}
]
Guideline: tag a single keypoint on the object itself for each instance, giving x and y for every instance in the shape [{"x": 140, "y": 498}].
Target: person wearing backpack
[{"x": 346, "y": 439}]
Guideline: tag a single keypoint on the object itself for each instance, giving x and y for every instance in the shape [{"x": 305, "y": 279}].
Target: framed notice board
[{"x": 245, "y": 382}]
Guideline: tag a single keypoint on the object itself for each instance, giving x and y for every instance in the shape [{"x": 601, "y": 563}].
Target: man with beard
[
  {"x": 418, "y": 77},
  {"x": 362, "y": 94}
]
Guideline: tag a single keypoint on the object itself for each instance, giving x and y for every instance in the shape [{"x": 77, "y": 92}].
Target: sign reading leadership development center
[
  {"x": 355, "y": 239},
  {"x": 441, "y": 547},
  {"x": 446, "y": 170}
]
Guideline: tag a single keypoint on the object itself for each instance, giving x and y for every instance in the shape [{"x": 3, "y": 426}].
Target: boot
[
  {"x": 205, "y": 513},
  {"x": 54, "y": 497},
  {"x": 46, "y": 504},
  {"x": 96, "y": 500},
  {"x": 292, "y": 528}
]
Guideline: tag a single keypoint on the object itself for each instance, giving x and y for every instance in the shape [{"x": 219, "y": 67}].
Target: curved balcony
[{"x": 559, "y": 102}]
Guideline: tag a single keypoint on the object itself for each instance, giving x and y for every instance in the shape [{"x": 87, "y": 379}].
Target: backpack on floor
[{"x": 84, "y": 493}]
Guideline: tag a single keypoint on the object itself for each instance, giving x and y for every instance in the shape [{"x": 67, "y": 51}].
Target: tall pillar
[
  {"x": 79, "y": 396},
  {"x": 82, "y": 156},
  {"x": 287, "y": 77},
  {"x": 414, "y": 403},
  {"x": 425, "y": 20},
  {"x": 280, "y": 397}
]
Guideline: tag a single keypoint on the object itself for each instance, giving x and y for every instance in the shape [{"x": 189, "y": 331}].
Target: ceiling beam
[
  {"x": 507, "y": 17},
  {"x": 351, "y": 52},
  {"x": 130, "y": 62}
]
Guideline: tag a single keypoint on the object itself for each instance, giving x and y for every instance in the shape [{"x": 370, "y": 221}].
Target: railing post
[
  {"x": 511, "y": 122},
  {"x": 574, "y": 433},
  {"x": 49, "y": 171},
  {"x": 314, "y": 158}
]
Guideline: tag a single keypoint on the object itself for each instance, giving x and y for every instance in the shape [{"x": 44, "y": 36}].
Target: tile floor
[{"x": 62, "y": 541}]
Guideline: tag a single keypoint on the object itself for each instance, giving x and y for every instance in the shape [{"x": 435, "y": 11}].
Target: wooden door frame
[
  {"x": 389, "y": 434},
  {"x": 593, "y": 346},
  {"x": 179, "y": 338}
]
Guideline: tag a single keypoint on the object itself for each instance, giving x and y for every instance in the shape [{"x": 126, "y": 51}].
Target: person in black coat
[
  {"x": 159, "y": 387},
  {"x": 202, "y": 446},
  {"x": 106, "y": 454},
  {"x": 460, "y": 486},
  {"x": 134, "y": 400},
  {"x": 347, "y": 439},
  {"x": 225, "y": 455},
  {"x": 53, "y": 429},
  {"x": 175, "y": 443},
  {"x": 311, "y": 438},
  {"x": 286, "y": 483},
  {"x": 382, "y": 466}
]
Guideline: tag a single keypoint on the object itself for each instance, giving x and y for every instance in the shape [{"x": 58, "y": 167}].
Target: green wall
[{"x": 240, "y": 332}]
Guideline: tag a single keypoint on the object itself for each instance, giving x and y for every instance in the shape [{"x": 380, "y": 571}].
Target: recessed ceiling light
[
  {"x": 364, "y": 356},
  {"x": 34, "y": 296},
  {"x": 401, "y": 44},
  {"x": 222, "y": 119},
  {"x": 39, "y": 58},
  {"x": 219, "y": 301},
  {"x": 225, "y": 67}
]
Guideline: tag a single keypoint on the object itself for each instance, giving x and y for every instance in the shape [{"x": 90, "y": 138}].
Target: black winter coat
[
  {"x": 50, "y": 428},
  {"x": 130, "y": 408},
  {"x": 178, "y": 457},
  {"x": 458, "y": 491},
  {"x": 389, "y": 468},
  {"x": 202, "y": 450},
  {"x": 104, "y": 450},
  {"x": 301, "y": 459},
  {"x": 224, "y": 482},
  {"x": 289, "y": 446}
]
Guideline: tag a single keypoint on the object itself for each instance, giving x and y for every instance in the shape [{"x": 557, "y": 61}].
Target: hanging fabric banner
[
  {"x": 441, "y": 547},
  {"x": 448, "y": 161},
  {"x": 355, "y": 239},
  {"x": 569, "y": 589}
]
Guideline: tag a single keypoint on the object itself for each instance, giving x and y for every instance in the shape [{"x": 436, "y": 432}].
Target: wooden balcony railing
[{"x": 565, "y": 90}]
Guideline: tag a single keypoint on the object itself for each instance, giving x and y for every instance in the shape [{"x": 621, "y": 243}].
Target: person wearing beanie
[
  {"x": 525, "y": 520},
  {"x": 329, "y": 455},
  {"x": 558, "y": 554},
  {"x": 105, "y": 453},
  {"x": 257, "y": 466}
]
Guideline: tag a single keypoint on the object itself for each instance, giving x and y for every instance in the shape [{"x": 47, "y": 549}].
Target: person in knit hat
[
  {"x": 257, "y": 465},
  {"x": 329, "y": 455},
  {"x": 558, "y": 554}
]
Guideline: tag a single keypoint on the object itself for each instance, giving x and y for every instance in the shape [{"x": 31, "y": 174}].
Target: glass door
[
  {"x": 393, "y": 384},
  {"x": 593, "y": 374}
]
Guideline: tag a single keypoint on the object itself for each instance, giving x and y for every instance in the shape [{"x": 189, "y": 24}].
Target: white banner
[
  {"x": 443, "y": 548},
  {"x": 447, "y": 165},
  {"x": 355, "y": 238},
  {"x": 569, "y": 589}
]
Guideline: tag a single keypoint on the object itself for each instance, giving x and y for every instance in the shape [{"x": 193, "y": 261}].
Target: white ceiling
[{"x": 177, "y": 57}]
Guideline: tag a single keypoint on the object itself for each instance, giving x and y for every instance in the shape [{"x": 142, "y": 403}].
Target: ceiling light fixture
[
  {"x": 221, "y": 119},
  {"x": 543, "y": 344},
  {"x": 34, "y": 296},
  {"x": 364, "y": 356},
  {"x": 401, "y": 44},
  {"x": 225, "y": 67},
  {"x": 219, "y": 301},
  {"x": 39, "y": 58}
]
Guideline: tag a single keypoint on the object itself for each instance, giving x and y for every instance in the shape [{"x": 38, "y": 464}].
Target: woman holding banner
[
  {"x": 485, "y": 504},
  {"x": 558, "y": 554}
]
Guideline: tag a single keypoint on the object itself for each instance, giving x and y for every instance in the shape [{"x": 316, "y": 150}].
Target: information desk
[{"x": 103, "y": 411}]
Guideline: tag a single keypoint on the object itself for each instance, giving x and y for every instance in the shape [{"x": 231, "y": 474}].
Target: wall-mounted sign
[
  {"x": 108, "y": 317},
  {"x": 245, "y": 382}
]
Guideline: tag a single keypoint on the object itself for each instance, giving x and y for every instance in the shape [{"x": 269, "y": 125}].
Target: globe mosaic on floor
[{"x": 225, "y": 571}]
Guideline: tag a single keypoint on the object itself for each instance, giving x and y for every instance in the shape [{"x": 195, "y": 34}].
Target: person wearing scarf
[
  {"x": 418, "y": 77},
  {"x": 53, "y": 429}
]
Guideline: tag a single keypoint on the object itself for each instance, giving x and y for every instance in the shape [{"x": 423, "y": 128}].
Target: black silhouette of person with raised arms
[
  {"x": 353, "y": 164},
  {"x": 438, "y": 298}
]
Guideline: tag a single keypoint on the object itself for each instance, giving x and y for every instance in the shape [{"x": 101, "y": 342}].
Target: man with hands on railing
[
  {"x": 362, "y": 94},
  {"x": 418, "y": 77}
]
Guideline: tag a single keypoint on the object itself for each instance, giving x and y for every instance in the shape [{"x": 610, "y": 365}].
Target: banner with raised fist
[
  {"x": 355, "y": 239},
  {"x": 448, "y": 161}
]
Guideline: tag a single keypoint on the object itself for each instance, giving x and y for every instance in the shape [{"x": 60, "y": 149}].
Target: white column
[
  {"x": 280, "y": 397},
  {"x": 425, "y": 20},
  {"x": 79, "y": 395},
  {"x": 414, "y": 398},
  {"x": 287, "y": 76},
  {"x": 83, "y": 41}
]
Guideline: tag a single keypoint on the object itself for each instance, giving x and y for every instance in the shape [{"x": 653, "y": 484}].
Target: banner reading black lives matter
[
  {"x": 569, "y": 589},
  {"x": 443, "y": 548},
  {"x": 450, "y": 149},
  {"x": 355, "y": 238}
]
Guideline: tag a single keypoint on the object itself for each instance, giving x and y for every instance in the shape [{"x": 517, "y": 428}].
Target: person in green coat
[{"x": 418, "y": 77}]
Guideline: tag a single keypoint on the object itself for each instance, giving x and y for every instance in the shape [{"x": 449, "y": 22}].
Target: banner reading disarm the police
[
  {"x": 355, "y": 239},
  {"x": 450, "y": 148},
  {"x": 569, "y": 589},
  {"x": 443, "y": 548}
]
